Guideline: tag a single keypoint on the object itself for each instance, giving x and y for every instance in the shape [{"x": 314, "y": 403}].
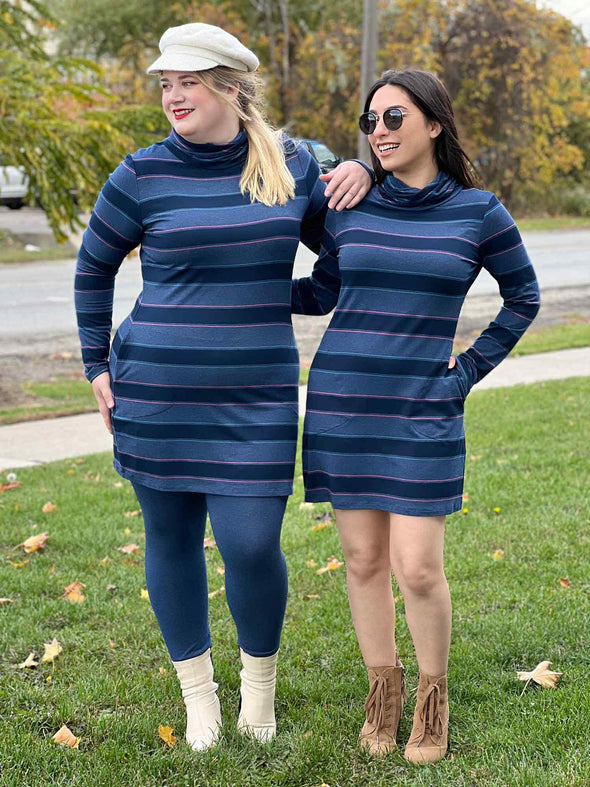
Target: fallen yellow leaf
[
  {"x": 145, "y": 595},
  {"x": 498, "y": 554},
  {"x": 311, "y": 564},
  {"x": 465, "y": 496},
  {"x": 105, "y": 560},
  {"x": 73, "y": 592},
  {"x": 332, "y": 564},
  {"x": 127, "y": 531},
  {"x": 311, "y": 596},
  {"x": 49, "y": 507},
  {"x": 220, "y": 570},
  {"x": 162, "y": 670},
  {"x": 465, "y": 511},
  {"x": 128, "y": 548},
  {"x": 541, "y": 675},
  {"x": 321, "y": 525},
  {"x": 564, "y": 582},
  {"x": 136, "y": 512},
  {"x": 497, "y": 510},
  {"x": 33, "y": 543},
  {"x": 65, "y": 737},
  {"x": 19, "y": 565},
  {"x": 217, "y": 592},
  {"x": 118, "y": 484},
  {"x": 165, "y": 734},
  {"x": 29, "y": 662},
  {"x": 52, "y": 651}
]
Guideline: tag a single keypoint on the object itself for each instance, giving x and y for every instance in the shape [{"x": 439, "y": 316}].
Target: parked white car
[{"x": 14, "y": 185}]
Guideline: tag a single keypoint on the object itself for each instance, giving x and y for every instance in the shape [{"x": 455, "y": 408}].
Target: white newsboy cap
[{"x": 197, "y": 47}]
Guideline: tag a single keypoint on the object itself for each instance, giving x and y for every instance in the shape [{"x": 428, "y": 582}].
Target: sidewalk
[{"x": 36, "y": 442}]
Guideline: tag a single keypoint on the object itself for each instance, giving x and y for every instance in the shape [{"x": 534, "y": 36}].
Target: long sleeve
[
  {"x": 503, "y": 255},
  {"x": 312, "y": 223},
  {"x": 115, "y": 228},
  {"x": 318, "y": 293}
]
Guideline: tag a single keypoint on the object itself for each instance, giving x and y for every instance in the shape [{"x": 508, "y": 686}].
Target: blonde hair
[{"x": 266, "y": 176}]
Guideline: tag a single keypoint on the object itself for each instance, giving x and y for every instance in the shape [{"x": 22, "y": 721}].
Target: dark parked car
[{"x": 321, "y": 153}]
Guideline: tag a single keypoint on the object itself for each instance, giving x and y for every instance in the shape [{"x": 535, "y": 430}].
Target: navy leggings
[{"x": 247, "y": 531}]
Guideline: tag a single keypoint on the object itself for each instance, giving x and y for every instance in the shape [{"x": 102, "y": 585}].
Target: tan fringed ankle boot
[
  {"x": 383, "y": 706},
  {"x": 428, "y": 740}
]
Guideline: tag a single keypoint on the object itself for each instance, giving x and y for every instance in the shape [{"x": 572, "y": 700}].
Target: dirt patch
[{"x": 44, "y": 357}]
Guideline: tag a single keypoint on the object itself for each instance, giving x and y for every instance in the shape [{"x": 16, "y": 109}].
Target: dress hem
[
  {"x": 205, "y": 487},
  {"x": 391, "y": 506}
]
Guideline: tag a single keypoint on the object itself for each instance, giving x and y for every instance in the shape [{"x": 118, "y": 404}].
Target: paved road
[{"x": 36, "y": 298}]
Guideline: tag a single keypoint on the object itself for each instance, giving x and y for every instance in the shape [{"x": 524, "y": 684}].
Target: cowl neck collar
[
  {"x": 439, "y": 190},
  {"x": 209, "y": 155}
]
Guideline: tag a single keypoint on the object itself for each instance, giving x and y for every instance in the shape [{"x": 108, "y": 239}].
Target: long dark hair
[{"x": 431, "y": 97}]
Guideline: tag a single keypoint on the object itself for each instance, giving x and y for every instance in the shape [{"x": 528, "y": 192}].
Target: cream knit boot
[
  {"x": 257, "y": 709},
  {"x": 203, "y": 714}
]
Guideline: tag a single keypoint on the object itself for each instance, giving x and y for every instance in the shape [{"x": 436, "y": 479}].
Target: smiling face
[
  {"x": 408, "y": 152},
  {"x": 195, "y": 112}
]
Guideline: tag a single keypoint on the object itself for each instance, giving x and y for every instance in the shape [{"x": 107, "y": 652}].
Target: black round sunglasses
[{"x": 392, "y": 118}]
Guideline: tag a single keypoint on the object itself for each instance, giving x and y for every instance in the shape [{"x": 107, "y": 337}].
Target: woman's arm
[
  {"x": 349, "y": 183},
  {"x": 318, "y": 293},
  {"x": 114, "y": 229},
  {"x": 503, "y": 255}
]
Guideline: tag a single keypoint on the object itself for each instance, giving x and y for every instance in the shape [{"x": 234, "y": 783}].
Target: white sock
[
  {"x": 257, "y": 709},
  {"x": 203, "y": 714}
]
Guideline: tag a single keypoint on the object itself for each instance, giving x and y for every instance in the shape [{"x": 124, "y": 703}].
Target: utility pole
[{"x": 368, "y": 64}]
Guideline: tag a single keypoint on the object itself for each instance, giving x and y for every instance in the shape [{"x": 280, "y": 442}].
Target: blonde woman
[{"x": 200, "y": 387}]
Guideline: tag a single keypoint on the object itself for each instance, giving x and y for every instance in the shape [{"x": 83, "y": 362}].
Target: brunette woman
[{"x": 383, "y": 436}]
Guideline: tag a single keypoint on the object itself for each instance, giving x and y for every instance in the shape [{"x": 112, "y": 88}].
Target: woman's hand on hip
[
  {"x": 347, "y": 185},
  {"x": 101, "y": 386}
]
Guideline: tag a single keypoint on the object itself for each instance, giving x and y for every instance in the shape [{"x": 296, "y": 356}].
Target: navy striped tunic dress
[
  {"x": 384, "y": 422},
  {"x": 205, "y": 369}
]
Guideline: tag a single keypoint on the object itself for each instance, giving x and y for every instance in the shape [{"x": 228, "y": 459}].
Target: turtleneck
[
  {"x": 439, "y": 190},
  {"x": 208, "y": 155}
]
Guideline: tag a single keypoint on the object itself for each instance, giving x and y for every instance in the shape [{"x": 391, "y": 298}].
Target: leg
[
  {"x": 417, "y": 559},
  {"x": 177, "y": 584},
  {"x": 175, "y": 569},
  {"x": 247, "y": 531},
  {"x": 248, "y": 534},
  {"x": 365, "y": 541}
]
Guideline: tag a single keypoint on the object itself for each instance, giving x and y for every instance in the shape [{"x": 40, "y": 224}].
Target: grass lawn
[
  {"x": 564, "y": 336},
  {"x": 554, "y": 223},
  {"x": 56, "y": 397},
  {"x": 527, "y": 454},
  {"x": 10, "y": 255}
]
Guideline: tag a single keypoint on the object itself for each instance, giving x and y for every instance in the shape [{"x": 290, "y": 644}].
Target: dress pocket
[{"x": 129, "y": 406}]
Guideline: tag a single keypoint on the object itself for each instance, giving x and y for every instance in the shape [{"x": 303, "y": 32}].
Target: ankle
[
  {"x": 199, "y": 691},
  {"x": 258, "y": 681}
]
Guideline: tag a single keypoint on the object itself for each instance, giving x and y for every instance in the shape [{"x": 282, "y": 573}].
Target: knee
[
  {"x": 419, "y": 579},
  {"x": 363, "y": 563},
  {"x": 254, "y": 556}
]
